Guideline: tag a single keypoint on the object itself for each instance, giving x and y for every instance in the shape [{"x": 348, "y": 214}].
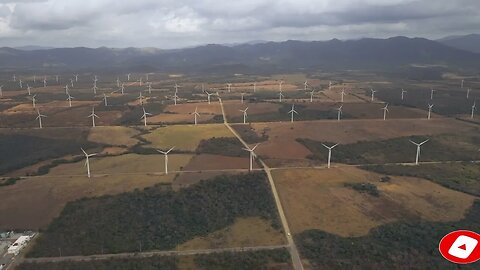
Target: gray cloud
[{"x": 178, "y": 23}]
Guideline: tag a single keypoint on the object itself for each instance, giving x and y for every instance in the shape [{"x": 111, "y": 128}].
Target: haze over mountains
[{"x": 365, "y": 53}]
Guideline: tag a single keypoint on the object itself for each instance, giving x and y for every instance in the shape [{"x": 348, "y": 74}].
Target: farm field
[{"x": 319, "y": 199}]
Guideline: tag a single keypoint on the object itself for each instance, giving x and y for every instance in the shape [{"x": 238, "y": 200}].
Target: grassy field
[
  {"x": 245, "y": 232},
  {"x": 119, "y": 136},
  {"x": 458, "y": 176},
  {"x": 319, "y": 199},
  {"x": 186, "y": 137},
  {"x": 400, "y": 245},
  {"x": 34, "y": 203}
]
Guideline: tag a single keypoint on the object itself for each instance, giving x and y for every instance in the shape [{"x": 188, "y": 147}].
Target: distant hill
[
  {"x": 468, "y": 43},
  {"x": 291, "y": 55},
  {"x": 33, "y": 48}
]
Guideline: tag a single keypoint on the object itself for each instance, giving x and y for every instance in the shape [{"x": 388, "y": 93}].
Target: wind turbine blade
[
  {"x": 424, "y": 141},
  {"x": 84, "y": 152},
  {"x": 253, "y": 149}
]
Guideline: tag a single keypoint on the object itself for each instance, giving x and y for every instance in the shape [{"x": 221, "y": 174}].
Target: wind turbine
[
  {"x": 208, "y": 96},
  {"x": 305, "y": 85},
  {"x": 66, "y": 89},
  {"x": 56, "y": 78},
  {"x": 1, "y": 91},
  {"x": 229, "y": 87},
  {"x": 146, "y": 76},
  {"x": 34, "y": 78},
  {"x": 95, "y": 87},
  {"x": 141, "y": 81},
  {"x": 196, "y": 114},
  {"x": 254, "y": 87},
  {"x": 105, "y": 100},
  {"x": 20, "y": 83},
  {"x": 431, "y": 93},
  {"x": 76, "y": 77},
  {"x": 71, "y": 82},
  {"x": 44, "y": 82},
  {"x": 149, "y": 87},
  {"x": 418, "y": 149},
  {"x": 403, "y": 93},
  {"x": 311, "y": 95},
  {"x": 280, "y": 86},
  {"x": 280, "y": 96},
  {"x": 373, "y": 93},
  {"x": 329, "y": 153},
  {"x": 166, "y": 158},
  {"x": 14, "y": 78},
  {"x": 252, "y": 155},
  {"x": 430, "y": 106},
  {"x": 343, "y": 94},
  {"x": 241, "y": 99},
  {"x": 144, "y": 117},
  {"x": 329, "y": 85},
  {"x": 244, "y": 115},
  {"x": 385, "y": 110},
  {"x": 87, "y": 162},
  {"x": 69, "y": 98},
  {"x": 176, "y": 88},
  {"x": 34, "y": 100},
  {"x": 29, "y": 90},
  {"x": 339, "y": 112},
  {"x": 39, "y": 118},
  {"x": 468, "y": 92},
  {"x": 118, "y": 82},
  {"x": 128, "y": 76},
  {"x": 175, "y": 98},
  {"x": 292, "y": 111},
  {"x": 93, "y": 115},
  {"x": 474, "y": 106},
  {"x": 140, "y": 98},
  {"x": 123, "y": 88},
  {"x": 95, "y": 79},
  {"x": 462, "y": 83}
]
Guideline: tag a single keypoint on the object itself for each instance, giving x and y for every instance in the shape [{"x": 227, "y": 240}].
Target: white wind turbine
[
  {"x": 118, "y": 82},
  {"x": 66, "y": 89},
  {"x": 229, "y": 87},
  {"x": 93, "y": 115},
  {"x": 292, "y": 112},
  {"x": 474, "y": 107},
  {"x": 29, "y": 90},
  {"x": 343, "y": 94},
  {"x": 95, "y": 88},
  {"x": 241, "y": 99},
  {"x": 34, "y": 78},
  {"x": 14, "y": 78},
  {"x": 87, "y": 161},
  {"x": 20, "y": 83},
  {"x": 149, "y": 87},
  {"x": 208, "y": 96},
  {"x": 69, "y": 98},
  {"x": 195, "y": 115},
  {"x": 175, "y": 99},
  {"x": 39, "y": 118},
  {"x": 176, "y": 88},
  {"x": 146, "y": 76},
  {"x": 144, "y": 117},
  {"x": 252, "y": 155},
  {"x": 431, "y": 93},
  {"x": 141, "y": 81},
  {"x": 34, "y": 100},
  {"x": 311, "y": 95},
  {"x": 76, "y": 77},
  {"x": 330, "y": 85},
  {"x": 165, "y": 153},
  {"x": 95, "y": 78},
  {"x": 1, "y": 90},
  {"x": 244, "y": 115},
  {"x": 105, "y": 100},
  {"x": 254, "y": 87},
  {"x": 280, "y": 96},
  {"x": 56, "y": 78},
  {"x": 430, "y": 106},
  {"x": 462, "y": 84},
  {"x": 373, "y": 94},
  {"x": 305, "y": 85},
  {"x": 468, "y": 92},
  {"x": 418, "y": 149},
  {"x": 339, "y": 112},
  {"x": 44, "y": 82},
  {"x": 329, "y": 153},
  {"x": 128, "y": 76},
  {"x": 280, "y": 86},
  {"x": 71, "y": 82},
  {"x": 403, "y": 93},
  {"x": 123, "y": 88},
  {"x": 140, "y": 98},
  {"x": 385, "y": 110}
]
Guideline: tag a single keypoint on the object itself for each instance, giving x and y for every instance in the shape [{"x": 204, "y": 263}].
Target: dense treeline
[
  {"x": 225, "y": 146},
  {"x": 249, "y": 135},
  {"x": 23, "y": 150},
  {"x": 463, "y": 177},
  {"x": 399, "y": 245},
  {"x": 250, "y": 260},
  {"x": 156, "y": 218},
  {"x": 438, "y": 148}
]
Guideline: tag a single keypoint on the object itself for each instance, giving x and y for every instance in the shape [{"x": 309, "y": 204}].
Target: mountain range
[
  {"x": 468, "y": 42},
  {"x": 368, "y": 53}
]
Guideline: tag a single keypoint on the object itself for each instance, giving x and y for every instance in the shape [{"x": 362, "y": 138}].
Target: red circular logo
[{"x": 461, "y": 247}]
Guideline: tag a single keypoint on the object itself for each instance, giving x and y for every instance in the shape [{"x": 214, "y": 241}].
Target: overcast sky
[{"x": 181, "y": 23}]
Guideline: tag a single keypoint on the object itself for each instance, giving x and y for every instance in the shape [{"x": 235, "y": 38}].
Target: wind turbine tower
[
  {"x": 166, "y": 158},
  {"x": 195, "y": 115},
  {"x": 329, "y": 153},
  {"x": 252, "y": 156},
  {"x": 418, "y": 149},
  {"x": 144, "y": 117},
  {"x": 87, "y": 162},
  {"x": 292, "y": 112},
  {"x": 430, "y": 106},
  {"x": 39, "y": 118},
  {"x": 93, "y": 115},
  {"x": 385, "y": 110},
  {"x": 244, "y": 115}
]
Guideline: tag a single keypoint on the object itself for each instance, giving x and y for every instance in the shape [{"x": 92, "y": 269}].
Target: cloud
[{"x": 177, "y": 23}]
